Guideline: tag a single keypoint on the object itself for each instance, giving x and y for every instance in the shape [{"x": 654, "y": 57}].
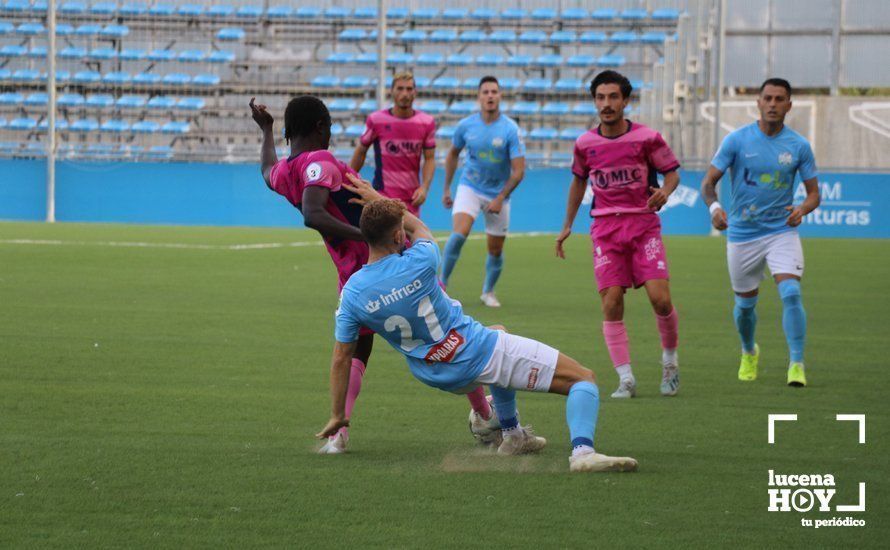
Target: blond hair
[
  {"x": 404, "y": 75},
  {"x": 379, "y": 219}
]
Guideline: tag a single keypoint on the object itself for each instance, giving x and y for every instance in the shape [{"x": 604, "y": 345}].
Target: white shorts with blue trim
[{"x": 781, "y": 252}]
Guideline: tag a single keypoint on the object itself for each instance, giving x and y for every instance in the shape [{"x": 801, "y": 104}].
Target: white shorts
[
  {"x": 467, "y": 201},
  {"x": 782, "y": 253},
  {"x": 520, "y": 364}
]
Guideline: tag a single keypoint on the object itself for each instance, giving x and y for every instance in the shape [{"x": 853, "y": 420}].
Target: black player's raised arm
[
  {"x": 268, "y": 157},
  {"x": 316, "y": 216}
]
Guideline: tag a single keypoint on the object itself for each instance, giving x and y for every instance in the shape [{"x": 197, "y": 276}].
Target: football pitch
[{"x": 160, "y": 387}]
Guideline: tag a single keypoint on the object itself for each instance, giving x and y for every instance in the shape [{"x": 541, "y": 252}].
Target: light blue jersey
[
  {"x": 399, "y": 298},
  {"x": 490, "y": 148},
  {"x": 763, "y": 178}
]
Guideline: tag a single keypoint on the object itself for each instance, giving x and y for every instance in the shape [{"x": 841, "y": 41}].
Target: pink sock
[
  {"x": 667, "y": 326},
  {"x": 355, "y": 386},
  {"x": 479, "y": 403},
  {"x": 616, "y": 342}
]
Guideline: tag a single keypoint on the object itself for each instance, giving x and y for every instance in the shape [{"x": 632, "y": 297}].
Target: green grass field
[{"x": 166, "y": 396}]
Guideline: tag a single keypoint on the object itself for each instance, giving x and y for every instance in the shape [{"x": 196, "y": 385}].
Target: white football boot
[
  {"x": 670, "y": 379},
  {"x": 627, "y": 388},
  {"x": 489, "y": 299},
  {"x": 521, "y": 441},
  {"x": 486, "y": 432},
  {"x": 595, "y": 462},
  {"x": 334, "y": 445}
]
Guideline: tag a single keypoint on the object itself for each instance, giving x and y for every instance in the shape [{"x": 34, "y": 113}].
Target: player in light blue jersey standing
[
  {"x": 764, "y": 158},
  {"x": 494, "y": 167},
  {"x": 397, "y": 295}
]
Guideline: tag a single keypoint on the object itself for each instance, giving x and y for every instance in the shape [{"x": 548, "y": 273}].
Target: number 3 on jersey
[{"x": 426, "y": 312}]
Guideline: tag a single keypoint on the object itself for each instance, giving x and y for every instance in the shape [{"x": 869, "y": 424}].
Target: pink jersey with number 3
[{"x": 622, "y": 169}]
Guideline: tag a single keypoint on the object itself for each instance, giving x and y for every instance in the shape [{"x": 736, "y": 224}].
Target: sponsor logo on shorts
[
  {"x": 661, "y": 265},
  {"x": 532, "y": 378},
  {"x": 653, "y": 247},
  {"x": 444, "y": 351}
]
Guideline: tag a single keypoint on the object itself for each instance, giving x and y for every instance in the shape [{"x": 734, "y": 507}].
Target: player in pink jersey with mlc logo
[
  {"x": 312, "y": 180},
  {"x": 400, "y": 136},
  {"x": 621, "y": 160}
]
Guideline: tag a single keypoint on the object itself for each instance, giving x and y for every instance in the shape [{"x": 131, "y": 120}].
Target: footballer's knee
[
  {"x": 662, "y": 305},
  {"x": 501, "y": 328}
]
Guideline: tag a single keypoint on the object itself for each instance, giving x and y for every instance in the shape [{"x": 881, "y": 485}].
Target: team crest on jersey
[
  {"x": 785, "y": 159},
  {"x": 497, "y": 142},
  {"x": 313, "y": 171}
]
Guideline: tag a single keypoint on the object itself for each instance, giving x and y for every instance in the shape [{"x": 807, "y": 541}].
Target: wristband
[{"x": 714, "y": 206}]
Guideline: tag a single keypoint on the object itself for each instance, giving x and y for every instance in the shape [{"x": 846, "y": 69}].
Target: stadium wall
[{"x": 234, "y": 194}]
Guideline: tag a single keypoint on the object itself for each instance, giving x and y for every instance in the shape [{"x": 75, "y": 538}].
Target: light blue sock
[
  {"x": 745, "y": 321},
  {"x": 582, "y": 408},
  {"x": 794, "y": 318},
  {"x": 452, "y": 253},
  {"x": 493, "y": 267},
  {"x": 504, "y": 401}
]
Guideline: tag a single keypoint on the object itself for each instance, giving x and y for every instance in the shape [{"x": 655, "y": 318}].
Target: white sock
[
  {"x": 669, "y": 356},
  {"x": 624, "y": 372},
  {"x": 582, "y": 450},
  {"x": 512, "y": 432}
]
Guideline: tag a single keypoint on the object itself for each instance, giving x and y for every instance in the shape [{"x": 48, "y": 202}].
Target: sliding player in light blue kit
[
  {"x": 765, "y": 157},
  {"x": 397, "y": 295}
]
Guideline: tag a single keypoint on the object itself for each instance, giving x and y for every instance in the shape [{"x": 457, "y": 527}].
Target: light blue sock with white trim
[{"x": 794, "y": 318}]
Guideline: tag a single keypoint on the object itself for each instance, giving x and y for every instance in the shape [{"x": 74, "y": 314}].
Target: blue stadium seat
[
  {"x": 73, "y": 8},
  {"x": 549, "y": 60},
  {"x": 13, "y": 50},
  {"x": 502, "y": 36},
  {"x": 130, "y": 102},
  {"x": 230, "y": 33},
  {"x": 70, "y": 100},
  {"x": 489, "y": 60},
  {"x": 571, "y": 134},
  {"x": 390, "y": 34},
  {"x": 190, "y": 10},
  {"x": 85, "y": 125},
  {"x": 101, "y": 149},
  {"x": 604, "y": 14},
  {"x": 221, "y": 56},
  {"x": 463, "y": 108},
  {"x": 397, "y": 13},
  {"x": 114, "y": 31},
  {"x": 519, "y": 61},
  {"x": 353, "y": 35},
  {"x": 610, "y": 60},
  {"x": 581, "y": 60},
  {"x": 544, "y": 133},
  {"x": 37, "y": 52},
  {"x": 425, "y": 13},
  {"x": 191, "y": 103},
  {"x": 220, "y": 10},
  {"x": 340, "y": 58},
  {"x": 161, "y": 102},
  {"x": 399, "y": 58},
  {"x": 36, "y": 99},
  {"x": 341, "y": 105},
  {"x": 483, "y": 14},
  {"x": 470, "y": 83},
  {"x": 538, "y": 85},
  {"x": 555, "y": 109},
  {"x": 249, "y": 12},
  {"x": 145, "y": 127},
  {"x": 574, "y": 14},
  {"x": 6, "y": 28},
  {"x": 133, "y": 9},
  {"x": 544, "y": 14},
  {"x": 162, "y": 10},
  {"x": 279, "y": 12},
  {"x": 569, "y": 85},
  {"x": 337, "y": 12},
  {"x": 666, "y": 14},
  {"x": 160, "y": 152},
  {"x": 526, "y": 108},
  {"x": 99, "y": 101},
  {"x": 413, "y": 35},
  {"x": 25, "y": 75},
  {"x": 586, "y": 108},
  {"x": 62, "y": 76},
  {"x": 22, "y": 124},
  {"x": 161, "y": 55},
  {"x": 63, "y": 29},
  {"x": 445, "y": 132},
  {"x": 133, "y": 54},
  {"x": 514, "y": 14},
  {"x": 563, "y": 37},
  {"x": 459, "y": 60},
  {"x": 653, "y": 37},
  {"x": 367, "y": 106},
  {"x": 634, "y": 15},
  {"x": 337, "y": 129},
  {"x": 325, "y": 81},
  {"x": 16, "y": 6},
  {"x": 430, "y": 59},
  {"x": 446, "y": 83},
  {"x": 88, "y": 30},
  {"x": 308, "y": 12},
  {"x": 433, "y": 107},
  {"x": 114, "y": 126},
  {"x": 11, "y": 98},
  {"x": 206, "y": 80},
  {"x": 533, "y": 37},
  {"x": 103, "y": 53},
  {"x": 472, "y": 36},
  {"x": 30, "y": 29},
  {"x": 174, "y": 127},
  {"x": 443, "y": 35},
  {"x": 592, "y": 37},
  {"x": 422, "y": 81},
  {"x": 455, "y": 13},
  {"x": 146, "y": 78},
  {"x": 356, "y": 81},
  {"x": 366, "y": 12},
  {"x": 86, "y": 77},
  {"x": 61, "y": 124},
  {"x": 509, "y": 83},
  {"x": 624, "y": 37},
  {"x": 354, "y": 130},
  {"x": 176, "y": 79},
  {"x": 367, "y": 58}
]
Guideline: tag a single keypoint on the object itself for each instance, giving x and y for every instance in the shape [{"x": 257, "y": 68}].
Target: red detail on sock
[
  {"x": 479, "y": 403},
  {"x": 616, "y": 341},
  {"x": 667, "y": 327}
]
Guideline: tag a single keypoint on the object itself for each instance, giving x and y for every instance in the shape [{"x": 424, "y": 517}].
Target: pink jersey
[
  {"x": 290, "y": 177},
  {"x": 398, "y": 146},
  {"x": 622, "y": 169}
]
